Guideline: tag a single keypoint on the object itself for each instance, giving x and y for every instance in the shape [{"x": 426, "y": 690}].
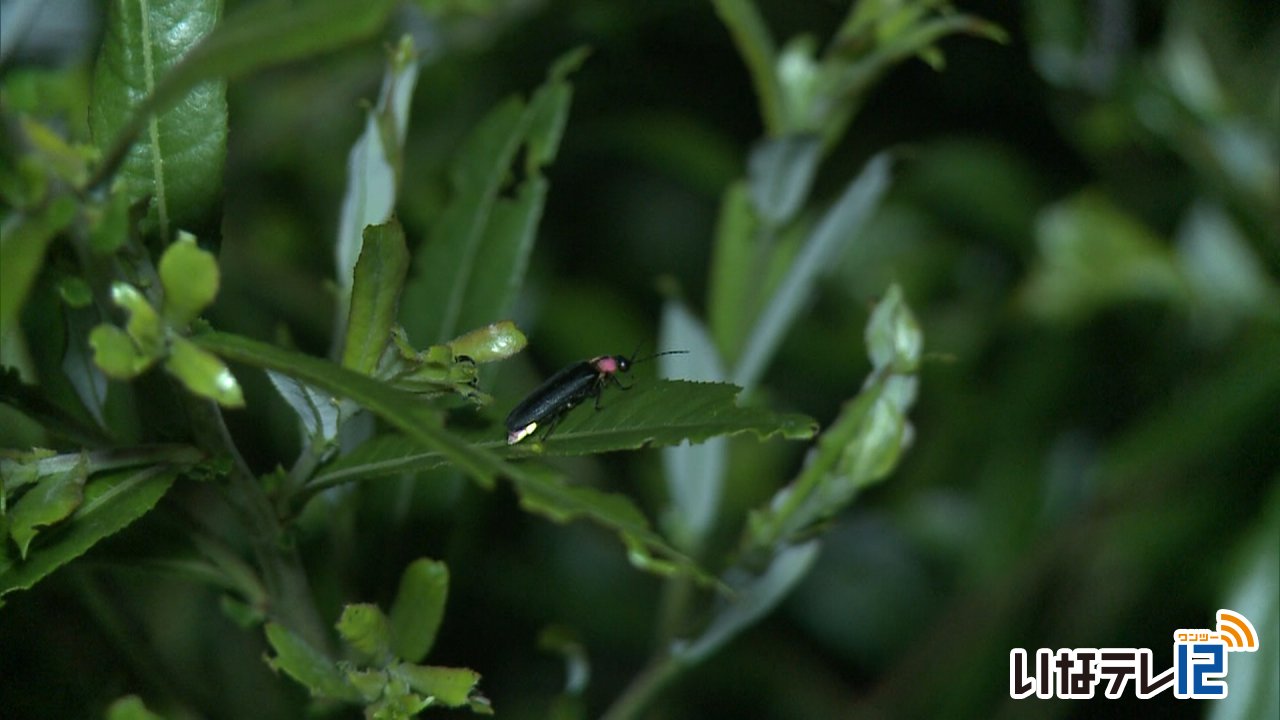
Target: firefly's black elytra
[{"x": 547, "y": 405}]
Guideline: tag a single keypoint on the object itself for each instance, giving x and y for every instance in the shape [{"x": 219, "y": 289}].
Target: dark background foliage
[{"x": 1095, "y": 474}]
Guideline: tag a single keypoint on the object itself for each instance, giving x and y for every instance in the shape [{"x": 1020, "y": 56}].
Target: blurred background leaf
[{"x": 1083, "y": 220}]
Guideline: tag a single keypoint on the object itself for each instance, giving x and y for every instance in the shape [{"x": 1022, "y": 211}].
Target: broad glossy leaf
[
  {"x": 178, "y": 160},
  {"x": 111, "y": 502},
  {"x": 418, "y": 609},
  {"x": 258, "y": 36},
  {"x": 375, "y": 295}
]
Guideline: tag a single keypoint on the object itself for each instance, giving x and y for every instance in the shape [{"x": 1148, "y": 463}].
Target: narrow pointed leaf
[
  {"x": 468, "y": 273},
  {"x": 733, "y": 288},
  {"x": 668, "y": 412},
  {"x": 111, "y": 501},
  {"x": 694, "y": 472},
  {"x": 752, "y": 598},
  {"x": 657, "y": 414},
  {"x": 541, "y": 492},
  {"x": 374, "y": 163},
  {"x": 375, "y": 295},
  {"x": 548, "y": 494},
  {"x": 52, "y": 499},
  {"x": 840, "y": 225},
  {"x": 318, "y": 412},
  {"x": 404, "y": 411}
]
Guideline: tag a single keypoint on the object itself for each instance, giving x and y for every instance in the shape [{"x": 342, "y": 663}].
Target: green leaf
[
  {"x": 864, "y": 443},
  {"x": 23, "y": 240},
  {"x": 751, "y": 598},
  {"x": 51, "y": 501},
  {"x": 320, "y": 413},
  {"x": 781, "y": 172},
  {"x": 756, "y": 46},
  {"x": 493, "y": 342},
  {"x": 257, "y": 36},
  {"x": 655, "y": 414},
  {"x": 547, "y": 494},
  {"x": 402, "y": 410},
  {"x": 695, "y": 472},
  {"x": 668, "y": 412},
  {"x": 111, "y": 502},
  {"x": 310, "y": 667},
  {"x": 190, "y": 278},
  {"x": 419, "y": 422},
  {"x": 838, "y": 227},
  {"x": 364, "y": 627},
  {"x": 144, "y": 325},
  {"x": 733, "y": 285},
  {"x": 203, "y": 373},
  {"x": 130, "y": 707},
  {"x": 115, "y": 353},
  {"x": 375, "y": 294},
  {"x": 374, "y": 163},
  {"x": 1252, "y": 593},
  {"x": 1093, "y": 254},
  {"x": 418, "y": 609},
  {"x": 893, "y": 336},
  {"x": 451, "y": 687},
  {"x": 468, "y": 274},
  {"x": 178, "y": 162},
  {"x": 710, "y": 407}
]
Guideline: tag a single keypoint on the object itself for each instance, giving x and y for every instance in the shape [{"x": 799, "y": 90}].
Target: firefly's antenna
[{"x": 657, "y": 355}]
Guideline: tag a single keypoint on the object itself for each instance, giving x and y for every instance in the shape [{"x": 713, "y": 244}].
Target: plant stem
[
  {"x": 643, "y": 688},
  {"x": 291, "y": 603}
]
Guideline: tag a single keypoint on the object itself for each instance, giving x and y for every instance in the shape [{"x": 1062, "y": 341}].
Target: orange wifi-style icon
[{"x": 1236, "y": 631}]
